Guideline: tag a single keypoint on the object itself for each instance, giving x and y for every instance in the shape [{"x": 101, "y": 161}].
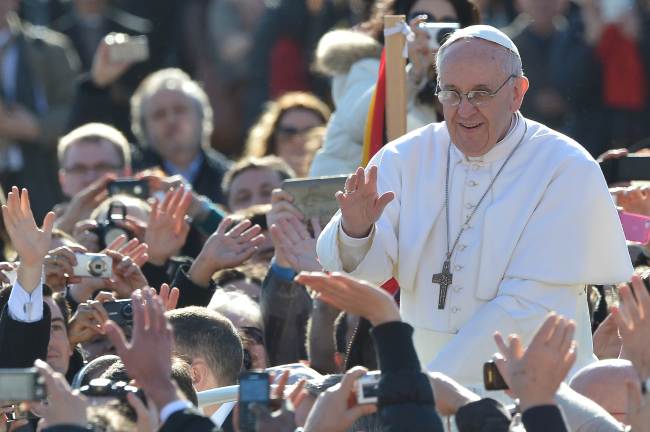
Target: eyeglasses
[
  {"x": 81, "y": 170},
  {"x": 475, "y": 97}
]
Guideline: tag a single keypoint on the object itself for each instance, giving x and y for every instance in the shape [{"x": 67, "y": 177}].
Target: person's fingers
[
  {"x": 359, "y": 411},
  {"x": 628, "y": 305},
  {"x": 278, "y": 195},
  {"x": 104, "y": 296},
  {"x": 116, "y": 336},
  {"x": 25, "y": 205},
  {"x": 568, "y": 332},
  {"x": 139, "y": 318},
  {"x": 172, "y": 301},
  {"x": 296, "y": 395},
  {"x": 251, "y": 232},
  {"x": 290, "y": 233},
  {"x": 238, "y": 229},
  {"x": 138, "y": 406},
  {"x": 150, "y": 308},
  {"x": 642, "y": 297},
  {"x": 501, "y": 345},
  {"x": 278, "y": 391},
  {"x": 224, "y": 226},
  {"x": 137, "y": 251},
  {"x": 117, "y": 243},
  {"x": 300, "y": 228},
  {"x": 164, "y": 291},
  {"x": 129, "y": 247},
  {"x": 371, "y": 178},
  {"x": 382, "y": 202},
  {"x": 169, "y": 196},
  {"x": 101, "y": 313},
  {"x": 350, "y": 377},
  {"x": 48, "y": 223}
]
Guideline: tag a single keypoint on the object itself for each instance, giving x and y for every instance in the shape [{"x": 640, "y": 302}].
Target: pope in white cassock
[{"x": 488, "y": 220}]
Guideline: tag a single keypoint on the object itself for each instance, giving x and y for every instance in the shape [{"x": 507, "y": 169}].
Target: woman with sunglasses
[{"x": 351, "y": 58}]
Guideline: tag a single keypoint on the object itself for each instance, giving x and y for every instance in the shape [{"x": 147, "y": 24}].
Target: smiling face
[{"x": 476, "y": 64}]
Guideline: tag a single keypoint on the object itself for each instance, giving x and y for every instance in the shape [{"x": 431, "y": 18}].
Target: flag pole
[{"x": 395, "y": 78}]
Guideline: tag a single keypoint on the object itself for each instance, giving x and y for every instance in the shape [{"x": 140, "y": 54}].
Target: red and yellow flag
[{"x": 374, "y": 136}]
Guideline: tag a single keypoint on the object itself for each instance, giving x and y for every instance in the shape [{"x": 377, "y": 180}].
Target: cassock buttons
[
  {"x": 472, "y": 183},
  {"x": 462, "y": 247},
  {"x": 458, "y": 267},
  {"x": 457, "y": 288},
  {"x": 454, "y": 309}
]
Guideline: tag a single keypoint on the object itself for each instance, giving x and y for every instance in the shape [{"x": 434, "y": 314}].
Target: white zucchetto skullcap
[{"x": 485, "y": 32}]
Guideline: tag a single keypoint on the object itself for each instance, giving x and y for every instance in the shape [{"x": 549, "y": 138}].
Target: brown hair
[
  {"x": 269, "y": 162},
  {"x": 261, "y": 140}
]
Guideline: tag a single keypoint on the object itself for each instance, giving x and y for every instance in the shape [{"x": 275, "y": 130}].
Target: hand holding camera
[
  {"x": 58, "y": 266},
  {"x": 82, "y": 204},
  {"x": 333, "y": 411},
  {"x": 127, "y": 276},
  {"x": 535, "y": 373},
  {"x": 108, "y": 67},
  {"x": 87, "y": 322}
]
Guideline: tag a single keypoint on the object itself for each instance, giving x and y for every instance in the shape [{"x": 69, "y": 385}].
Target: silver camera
[
  {"x": 368, "y": 388},
  {"x": 93, "y": 265},
  {"x": 438, "y": 32}
]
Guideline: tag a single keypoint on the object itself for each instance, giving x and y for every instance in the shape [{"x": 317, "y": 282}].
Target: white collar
[
  {"x": 222, "y": 413},
  {"x": 502, "y": 148}
]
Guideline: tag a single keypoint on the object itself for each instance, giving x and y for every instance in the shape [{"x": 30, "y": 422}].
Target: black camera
[
  {"x": 113, "y": 226},
  {"x": 120, "y": 312},
  {"x": 104, "y": 388},
  {"x": 492, "y": 378}
]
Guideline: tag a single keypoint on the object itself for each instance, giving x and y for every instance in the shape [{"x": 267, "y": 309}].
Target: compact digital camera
[
  {"x": 368, "y": 388},
  {"x": 18, "y": 385},
  {"x": 121, "y": 312},
  {"x": 93, "y": 265},
  {"x": 438, "y": 32}
]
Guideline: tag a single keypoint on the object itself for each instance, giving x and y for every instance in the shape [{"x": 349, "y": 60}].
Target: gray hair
[
  {"x": 170, "y": 79},
  {"x": 512, "y": 65}
]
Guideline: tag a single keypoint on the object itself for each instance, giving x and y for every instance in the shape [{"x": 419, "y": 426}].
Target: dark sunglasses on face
[{"x": 291, "y": 131}]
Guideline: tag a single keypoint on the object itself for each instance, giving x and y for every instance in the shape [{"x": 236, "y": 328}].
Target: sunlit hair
[
  {"x": 261, "y": 139},
  {"x": 94, "y": 133},
  {"x": 169, "y": 79}
]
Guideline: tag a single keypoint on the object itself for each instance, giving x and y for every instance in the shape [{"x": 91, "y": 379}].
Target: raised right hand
[{"x": 360, "y": 204}]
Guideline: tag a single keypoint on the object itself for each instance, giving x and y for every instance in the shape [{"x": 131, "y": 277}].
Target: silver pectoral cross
[{"x": 444, "y": 279}]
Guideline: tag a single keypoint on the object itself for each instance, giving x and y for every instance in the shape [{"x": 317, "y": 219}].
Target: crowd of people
[{"x": 149, "y": 255}]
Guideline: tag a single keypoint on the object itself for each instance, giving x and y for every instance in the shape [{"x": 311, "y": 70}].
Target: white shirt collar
[
  {"x": 222, "y": 413},
  {"x": 502, "y": 148}
]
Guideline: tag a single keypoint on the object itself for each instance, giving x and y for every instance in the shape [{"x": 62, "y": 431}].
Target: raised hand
[
  {"x": 30, "y": 242},
  {"x": 167, "y": 229},
  {"x": 64, "y": 406},
  {"x": 449, "y": 395},
  {"x": 632, "y": 317},
  {"x": 282, "y": 207},
  {"x": 105, "y": 72},
  {"x": 535, "y": 373},
  {"x": 294, "y": 246},
  {"x": 134, "y": 249},
  {"x": 353, "y": 296},
  {"x": 226, "y": 248},
  {"x": 361, "y": 206},
  {"x": 147, "y": 357},
  {"x": 169, "y": 296},
  {"x": 58, "y": 267}
]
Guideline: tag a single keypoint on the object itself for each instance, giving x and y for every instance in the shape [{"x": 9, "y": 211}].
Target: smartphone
[
  {"x": 123, "y": 48},
  {"x": 625, "y": 169},
  {"x": 18, "y": 385},
  {"x": 636, "y": 227},
  {"x": 315, "y": 196},
  {"x": 253, "y": 388},
  {"x": 492, "y": 378},
  {"x": 129, "y": 186}
]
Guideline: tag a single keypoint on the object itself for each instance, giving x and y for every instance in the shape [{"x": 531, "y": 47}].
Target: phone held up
[
  {"x": 254, "y": 388},
  {"x": 492, "y": 378}
]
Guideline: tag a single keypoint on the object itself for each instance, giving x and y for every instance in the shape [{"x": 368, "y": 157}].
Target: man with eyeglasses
[
  {"x": 88, "y": 157},
  {"x": 488, "y": 220}
]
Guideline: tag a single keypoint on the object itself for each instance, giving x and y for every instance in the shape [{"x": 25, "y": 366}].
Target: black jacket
[
  {"x": 22, "y": 343},
  {"x": 406, "y": 400},
  {"x": 286, "y": 306},
  {"x": 188, "y": 420}
]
